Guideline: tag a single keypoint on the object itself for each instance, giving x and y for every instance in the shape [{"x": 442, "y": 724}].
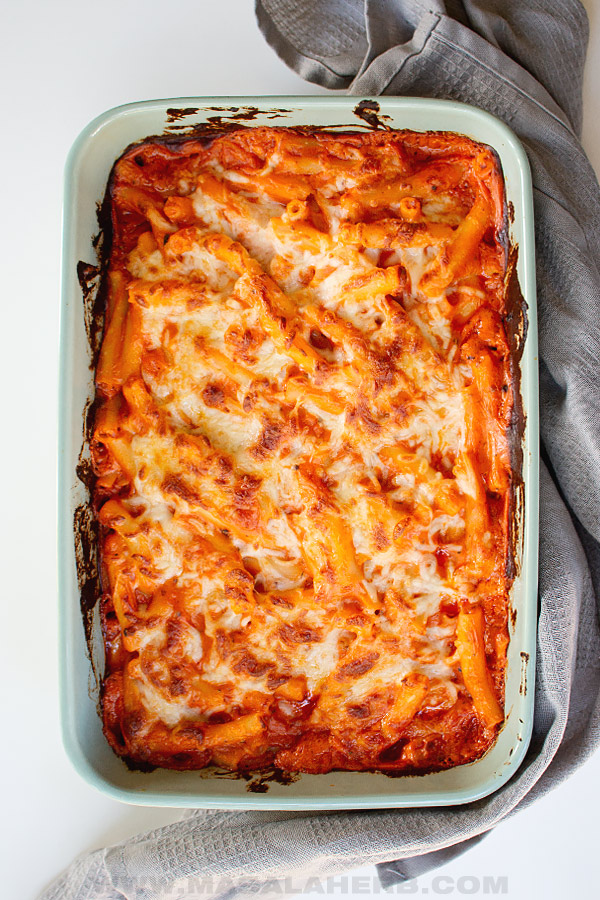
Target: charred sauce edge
[
  {"x": 236, "y": 115},
  {"x": 231, "y": 117},
  {"x": 93, "y": 282},
  {"x": 524, "y": 664},
  {"x": 516, "y": 324},
  {"x": 370, "y": 112},
  {"x": 86, "y": 529}
]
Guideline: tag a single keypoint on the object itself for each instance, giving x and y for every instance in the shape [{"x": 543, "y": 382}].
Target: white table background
[{"x": 62, "y": 63}]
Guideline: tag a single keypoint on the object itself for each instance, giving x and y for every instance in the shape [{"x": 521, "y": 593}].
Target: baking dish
[{"x": 87, "y": 171}]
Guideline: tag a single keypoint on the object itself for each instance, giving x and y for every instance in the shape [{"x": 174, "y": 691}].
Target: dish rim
[{"x": 67, "y": 636}]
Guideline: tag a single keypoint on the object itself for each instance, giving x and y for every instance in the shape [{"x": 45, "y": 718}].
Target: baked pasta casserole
[{"x": 302, "y": 451}]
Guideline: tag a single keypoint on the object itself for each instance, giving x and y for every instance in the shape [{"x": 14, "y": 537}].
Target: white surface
[{"x": 50, "y": 54}]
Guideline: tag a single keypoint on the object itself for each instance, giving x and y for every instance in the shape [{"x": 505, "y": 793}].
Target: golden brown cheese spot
[
  {"x": 358, "y": 666},
  {"x": 176, "y": 486},
  {"x": 299, "y": 634}
]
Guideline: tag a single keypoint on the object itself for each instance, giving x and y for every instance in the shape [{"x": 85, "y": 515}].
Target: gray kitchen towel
[{"x": 522, "y": 60}]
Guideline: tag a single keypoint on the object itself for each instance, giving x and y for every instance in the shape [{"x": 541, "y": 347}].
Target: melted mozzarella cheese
[{"x": 270, "y": 594}]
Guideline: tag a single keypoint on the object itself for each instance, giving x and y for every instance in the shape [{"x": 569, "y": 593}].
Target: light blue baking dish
[{"x": 87, "y": 170}]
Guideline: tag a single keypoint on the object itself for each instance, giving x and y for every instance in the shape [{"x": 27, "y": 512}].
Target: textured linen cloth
[{"x": 522, "y": 60}]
